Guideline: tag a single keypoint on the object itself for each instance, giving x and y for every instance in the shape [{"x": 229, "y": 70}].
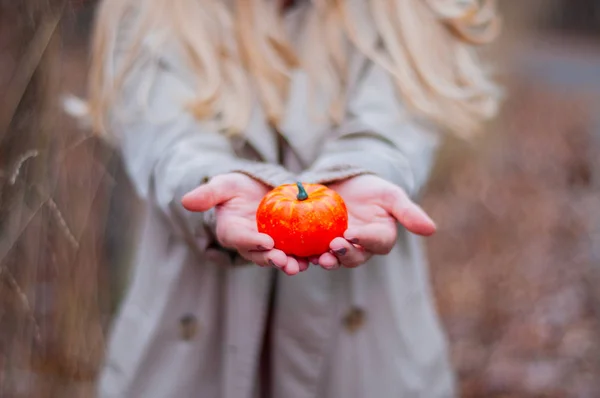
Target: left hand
[
  {"x": 235, "y": 197},
  {"x": 374, "y": 207}
]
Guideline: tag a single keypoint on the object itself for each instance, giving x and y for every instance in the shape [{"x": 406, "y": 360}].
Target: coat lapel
[
  {"x": 300, "y": 127},
  {"x": 261, "y": 136}
]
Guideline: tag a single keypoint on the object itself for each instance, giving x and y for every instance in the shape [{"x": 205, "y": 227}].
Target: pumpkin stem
[{"x": 302, "y": 195}]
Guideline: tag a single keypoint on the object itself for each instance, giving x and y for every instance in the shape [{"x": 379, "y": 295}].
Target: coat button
[
  {"x": 354, "y": 319},
  {"x": 188, "y": 327}
]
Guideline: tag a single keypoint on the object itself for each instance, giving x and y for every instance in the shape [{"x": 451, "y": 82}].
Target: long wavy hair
[{"x": 239, "y": 51}]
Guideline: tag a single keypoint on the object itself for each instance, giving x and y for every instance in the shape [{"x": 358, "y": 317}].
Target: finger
[
  {"x": 303, "y": 264},
  {"x": 348, "y": 255},
  {"x": 266, "y": 258},
  {"x": 408, "y": 213},
  {"x": 218, "y": 190},
  {"x": 414, "y": 219},
  {"x": 243, "y": 238},
  {"x": 292, "y": 267},
  {"x": 329, "y": 261},
  {"x": 376, "y": 238}
]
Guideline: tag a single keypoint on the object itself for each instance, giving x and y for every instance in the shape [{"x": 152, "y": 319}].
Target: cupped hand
[
  {"x": 375, "y": 206},
  {"x": 235, "y": 198}
]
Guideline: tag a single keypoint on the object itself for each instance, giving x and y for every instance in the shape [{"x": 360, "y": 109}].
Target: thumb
[
  {"x": 409, "y": 214},
  {"x": 209, "y": 195}
]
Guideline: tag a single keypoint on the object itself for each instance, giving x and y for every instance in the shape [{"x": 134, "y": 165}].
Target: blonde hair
[{"x": 238, "y": 48}]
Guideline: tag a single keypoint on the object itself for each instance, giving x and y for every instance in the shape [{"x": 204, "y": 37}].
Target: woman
[{"x": 214, "y": 102}]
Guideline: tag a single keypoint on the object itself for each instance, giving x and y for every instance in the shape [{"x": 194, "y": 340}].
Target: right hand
[
  {"x": 375, "y": 208},
  {"x": 236, "y": 198}
]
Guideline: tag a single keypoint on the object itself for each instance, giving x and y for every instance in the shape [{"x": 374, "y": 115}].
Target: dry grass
[{"x": 54, "y": 191}]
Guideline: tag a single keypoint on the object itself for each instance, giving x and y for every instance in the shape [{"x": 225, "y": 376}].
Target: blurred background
[{"x": 515, "y": 265}]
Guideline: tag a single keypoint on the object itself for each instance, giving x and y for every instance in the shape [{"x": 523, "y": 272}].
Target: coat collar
[{"x": 298, "y": 128}]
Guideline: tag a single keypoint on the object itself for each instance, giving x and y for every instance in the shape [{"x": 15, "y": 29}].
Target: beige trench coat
[{"x": 195, "y": 316}]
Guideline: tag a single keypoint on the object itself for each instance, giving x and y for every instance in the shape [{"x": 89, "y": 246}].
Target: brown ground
[{"x": 513, "y": 265}]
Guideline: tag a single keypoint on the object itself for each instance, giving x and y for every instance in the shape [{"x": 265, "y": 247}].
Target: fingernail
[
  {"x": 272, "y": 264},
  {"x": 333, "y": 267},
  {"x": 260, "y": 247},
  {"x": 341, "y": 251},
  {"x": 353, "y": 241}
]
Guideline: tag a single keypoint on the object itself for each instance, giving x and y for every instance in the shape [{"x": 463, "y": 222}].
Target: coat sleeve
[
  {"x": 167, "y": 152},
  {"x": 378, "y": 136}
]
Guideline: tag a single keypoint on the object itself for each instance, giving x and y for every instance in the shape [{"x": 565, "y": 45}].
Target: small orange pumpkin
[{"x": 302, "y": 219}]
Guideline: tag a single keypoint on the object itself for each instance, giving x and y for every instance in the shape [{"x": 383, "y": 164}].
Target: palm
[
  {"x": 366, "y": 210},
  {"x": 363, "y": 208},
  {"x": 240, "y": 210}
]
